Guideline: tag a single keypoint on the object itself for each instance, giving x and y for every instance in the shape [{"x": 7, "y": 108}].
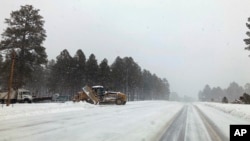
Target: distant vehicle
[
  {"x": 62, "y": 98},
  {"x": 20, "y": 95},
  {"x": 55, "y": 96},
  {"x": 98, "y": 95}
]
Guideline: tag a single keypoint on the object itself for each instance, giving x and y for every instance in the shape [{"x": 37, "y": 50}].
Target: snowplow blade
[{"x": 90, "y": 94}]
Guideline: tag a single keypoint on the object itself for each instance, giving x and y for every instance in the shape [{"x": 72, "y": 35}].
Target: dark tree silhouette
[{"x": 25, "y": 34}]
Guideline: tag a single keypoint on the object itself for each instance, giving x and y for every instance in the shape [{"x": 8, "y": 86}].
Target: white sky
[{"x": 189, "y": 42}]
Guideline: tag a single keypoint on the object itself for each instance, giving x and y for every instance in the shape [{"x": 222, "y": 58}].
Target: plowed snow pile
[{"x": 239, "y": 110}]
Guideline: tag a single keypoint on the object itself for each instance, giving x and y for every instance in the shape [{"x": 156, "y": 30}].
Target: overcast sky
[{"x": 190, "y": 42}]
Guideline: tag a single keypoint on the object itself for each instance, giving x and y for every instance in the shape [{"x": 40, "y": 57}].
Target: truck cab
[
  {"x": 24, "y": 95},
  {"x": 99, "y": 90},
  {"x": 20, "y": 95}
]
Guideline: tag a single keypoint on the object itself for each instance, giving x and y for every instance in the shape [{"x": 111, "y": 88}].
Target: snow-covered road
[
  {"x": 187, "y": 126},
  {"x": 192, "y": 124},
  {"x": 135, "y": 121}
]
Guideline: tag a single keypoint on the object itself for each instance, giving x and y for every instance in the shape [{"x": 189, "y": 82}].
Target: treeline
[
  {"x": 233, "y": 92},
  {"x": 22, "y": 43},
  {"x": 68, "y": 74}
]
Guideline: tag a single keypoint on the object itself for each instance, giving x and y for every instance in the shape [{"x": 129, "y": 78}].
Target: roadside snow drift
[{"x": 238, "y": 110}]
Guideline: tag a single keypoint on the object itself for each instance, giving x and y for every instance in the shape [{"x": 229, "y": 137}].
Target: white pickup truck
[{"x": 20, "y": 95}]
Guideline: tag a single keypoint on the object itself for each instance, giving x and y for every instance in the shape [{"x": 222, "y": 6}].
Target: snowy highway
[
  {"x": 135, "y": 121},
  {"x": 189, "y": 125}
]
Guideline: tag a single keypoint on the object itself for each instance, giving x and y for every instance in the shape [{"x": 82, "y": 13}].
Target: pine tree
[
  {"x": 51, "y": 76},
  {"x": 104, "y": 74},
  {"x": 166, "y": 90},
  {"x": 1, "y": 74},
  {"x": 25, "y": 34},
  {"x": 79, "y": 70},
  {"x": 247, "y": 41},
  {"x": 118, "y": 74},
  {"x": 61, "y": 74},
  {"x": 132, "y": 77},
  {"x": 224, "y": 100},
  {"x": 147, "y": 85},
  {"x": 234, "y": 91},
  {"x": 91, "y": 70}
]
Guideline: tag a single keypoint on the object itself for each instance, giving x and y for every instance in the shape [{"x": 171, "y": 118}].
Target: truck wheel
[
  {"x": 26, "y": 101},
  {"x": 119, "y": 102}
]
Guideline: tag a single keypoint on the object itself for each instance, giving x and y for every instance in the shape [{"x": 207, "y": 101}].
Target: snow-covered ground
[
  {"x": 83, "y": 121},
  {"x": 238, "y": 110},
  {"x": 135, "y": 121},
  {"x": 37, "y": 109}
]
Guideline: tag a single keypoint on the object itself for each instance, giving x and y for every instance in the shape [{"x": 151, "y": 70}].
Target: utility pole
[
  {"x": 11, "y": 76},
  {"x": 127, "y": 85}
]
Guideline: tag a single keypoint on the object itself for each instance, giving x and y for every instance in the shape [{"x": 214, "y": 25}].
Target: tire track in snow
[
  {"x": 190, "y": 124},
  {"x": 214, "y": 132},
  {"x": 176, "y": 129}
]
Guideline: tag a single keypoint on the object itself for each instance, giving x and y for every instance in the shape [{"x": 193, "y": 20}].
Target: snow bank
[
  {"x": 224, "y": 115},
  {"x": 35, "y": 109},
  {"x": 238, "y": 110}
]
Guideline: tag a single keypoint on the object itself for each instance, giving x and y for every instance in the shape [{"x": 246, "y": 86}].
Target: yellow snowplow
[{"x": 98, "y": 95}]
